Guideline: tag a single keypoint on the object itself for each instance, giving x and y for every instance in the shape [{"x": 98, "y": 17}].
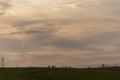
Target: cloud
[
  {"x": 71, "y": 4},
  {"x": 79, "y": 32},
  {"x": 5, "y": 6},
  {"x": 108, "y": 7}
]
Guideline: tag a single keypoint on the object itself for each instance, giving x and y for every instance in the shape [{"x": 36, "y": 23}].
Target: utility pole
[{"x": 2, "y": 62}]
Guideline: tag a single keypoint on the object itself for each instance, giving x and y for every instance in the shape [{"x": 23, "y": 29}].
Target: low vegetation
[{"x": 59, "y": 74}]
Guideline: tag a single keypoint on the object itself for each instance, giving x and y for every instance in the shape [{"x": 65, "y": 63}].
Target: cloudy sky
[{"x": 60, "y": 32}]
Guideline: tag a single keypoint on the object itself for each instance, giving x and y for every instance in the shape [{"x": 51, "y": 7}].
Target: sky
[{"x": 77, "y": 33}]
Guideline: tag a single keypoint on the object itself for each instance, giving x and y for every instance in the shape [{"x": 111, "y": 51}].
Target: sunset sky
[{"x": 79, "y": 33}]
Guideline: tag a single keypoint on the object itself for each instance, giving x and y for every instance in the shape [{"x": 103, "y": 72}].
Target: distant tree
[
  {"x": 48, "y": 66},
  {"x": 52, "y": 66},
  {"x": 106, "y": 66},
  {"x": 103, "y": 65},
  {"x": 88, "y": 67}
]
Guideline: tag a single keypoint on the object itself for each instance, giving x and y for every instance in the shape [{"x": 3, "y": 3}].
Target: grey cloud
[
  {"x": 33, "y": 32},
  {"x": 63, "y": 22},
  {"x": 105, "y": 39},
  {"x": 45, "y": 39},
  {"x": 111, "y": 7},
  {"x": 42, "y": 38},
  {"x": 26, "y": 22},
  {"x": 47, "y": 22},
  {"x": 63, "y": 59},
  {"x": 12, "y": 45}
]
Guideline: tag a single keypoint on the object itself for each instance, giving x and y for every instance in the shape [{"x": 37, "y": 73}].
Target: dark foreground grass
[{"x": 59, "y": 74}]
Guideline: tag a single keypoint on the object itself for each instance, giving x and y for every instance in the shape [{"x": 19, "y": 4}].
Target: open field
[{"x": 59, "y": 74}]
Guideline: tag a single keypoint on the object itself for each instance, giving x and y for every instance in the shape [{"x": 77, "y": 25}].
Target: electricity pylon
[{"x": 2, "y": 62}]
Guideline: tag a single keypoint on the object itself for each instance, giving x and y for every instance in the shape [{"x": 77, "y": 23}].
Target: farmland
[{"x": 59, "y": 74}]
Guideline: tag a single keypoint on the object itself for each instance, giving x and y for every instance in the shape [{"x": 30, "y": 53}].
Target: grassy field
[{"x": 59, "y": 74}]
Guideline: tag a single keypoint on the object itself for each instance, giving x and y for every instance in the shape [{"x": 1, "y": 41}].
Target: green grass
[{"x": 59, "y": 74}]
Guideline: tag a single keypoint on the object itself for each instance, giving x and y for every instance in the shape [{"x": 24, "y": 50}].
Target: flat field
[{"x": 59, "y": 74}]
